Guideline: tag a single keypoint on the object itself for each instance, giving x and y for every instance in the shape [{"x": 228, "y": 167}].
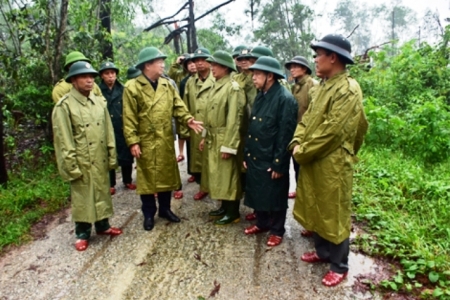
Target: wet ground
[{"x": 190, "y": 260}]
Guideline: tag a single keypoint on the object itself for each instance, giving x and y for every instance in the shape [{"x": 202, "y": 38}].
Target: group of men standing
[{"x": 242, "y": 123}]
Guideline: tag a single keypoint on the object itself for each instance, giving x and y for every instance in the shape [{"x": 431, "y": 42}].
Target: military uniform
[
  {"x": 63, "y": 87},
  {"x": 85, "y": 152}
]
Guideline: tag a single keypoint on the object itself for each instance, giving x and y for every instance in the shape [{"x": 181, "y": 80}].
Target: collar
[
  {"x": 330, "y": 82},
  {"x": 81, "y": 98}
]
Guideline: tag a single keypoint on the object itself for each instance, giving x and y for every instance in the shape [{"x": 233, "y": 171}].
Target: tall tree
[{"x": 285, "y": 28}]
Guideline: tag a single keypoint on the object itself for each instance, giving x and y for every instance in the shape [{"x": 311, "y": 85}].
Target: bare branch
[{"x": 353, "y": 31}]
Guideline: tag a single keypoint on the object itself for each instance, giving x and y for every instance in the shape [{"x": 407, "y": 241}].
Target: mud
[{"x": 190, "y": 260}]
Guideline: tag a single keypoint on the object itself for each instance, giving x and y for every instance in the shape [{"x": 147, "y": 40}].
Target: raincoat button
[
  {"x": 254, "y": 158},
  {"x": 247, "y": 155},
  {"x": 249, "y": 136},
  {"x": 112, "y": 116},
  {"x": 277, "y": 160},
  {"x": 87, "y": 125},
  {"x": 256, "y": 139},
  {"x": 260, "y": 119},
  {"x": 254, "y": 118}
]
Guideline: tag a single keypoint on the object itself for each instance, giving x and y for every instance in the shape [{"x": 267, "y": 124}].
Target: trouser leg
[
  {"x": 83, "y": 230},
  {"x": 148, "y": 205},
  {"x": 296, "y": 169},
  {"x": 198, "y": 177},
  {"x": 102, "y": 225},
  {"x": 112, "y": 178},
  {"x": 164, "y": 200},
  {"x": 278, "y": 219},
  {"x": 188, "y": 156},
  {"x": 126, "y": 173},
  {"x": 262, "y": 219},
  {"x": 336, "y": 254},
  {"x": 243, "y": 179}
]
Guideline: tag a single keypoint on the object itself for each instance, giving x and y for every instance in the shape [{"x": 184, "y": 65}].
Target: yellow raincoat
[{"x": 329, "y": 135}]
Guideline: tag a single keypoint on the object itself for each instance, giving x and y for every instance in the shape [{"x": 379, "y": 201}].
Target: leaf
[
  {"x": 437, "y": 292},
  {"x": 433, "y": 276}
]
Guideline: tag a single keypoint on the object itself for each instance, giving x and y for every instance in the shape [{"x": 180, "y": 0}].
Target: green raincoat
[
  {"x": 114, "y": 103},
  {"x": 330, "y": 135},
  {"x": 177, "y": 73},
  {"x": 147, "y": 121},
  {"x": 223, "y": 119},
  {"x": 85, "y": 152},
  {"x": 246, "y": 83},
  {"x": 62, "y": 87},
  {"x": 300, "y": 91},
  {"x": 272, "y": 125},
  {"x": 196, "y": 97}
]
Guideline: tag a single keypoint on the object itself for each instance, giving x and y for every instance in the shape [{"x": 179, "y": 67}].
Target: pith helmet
[
  {"x": 148, "y": 54},
  {"x": 132, "y": 72},
  {"x": 107, "y": 65},
  {"x": 299, "y": 60},
  {"x": 75, "y": 56},
  {"x": 202, "y": 53},
  {"x": 223, "y": 58},
  {"x": 268, "y": 64},
  {"x": 237, "y": 50},
  {"x": 256, "y": 52},
  {"x": 337, "y": 44},
  {"x": 80, "y": 67}
]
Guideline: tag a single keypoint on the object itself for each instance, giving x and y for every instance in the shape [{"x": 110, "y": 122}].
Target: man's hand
[
  {"x": 201, "y": 146},
  {"x": 245, "y": 164},
  {"x": 135, "y": 150},
  {"x": 275, "y": 175},
  {"x": 180, "y": 59},
  {"x": 295, "y": 149},
  {"x": 226, "y": 155},
  {"x": 195, "y": 125}
]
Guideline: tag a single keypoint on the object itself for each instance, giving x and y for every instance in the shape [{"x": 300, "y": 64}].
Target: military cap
[
  {"x": 201, "y": 53},
  {"x": 132, "y": 72},
  {"x": 107, "y": 65},
  {"x": 148, "y": 54},
  {"x": 223, "y": 58},
  {"x": 237, "y": 50},
  {"x": 336, "y": 43},
  {"x": 268, "y": 64},
  {"x": 299, "y": 60},
  {"x": 80, "y": 67},
  {"x": 75, "y": 56}
]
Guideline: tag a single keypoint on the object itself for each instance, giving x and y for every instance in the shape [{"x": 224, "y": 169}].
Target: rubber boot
[
  {"x": 219, "y": 212},
  {"x": 231, "y": 215}
]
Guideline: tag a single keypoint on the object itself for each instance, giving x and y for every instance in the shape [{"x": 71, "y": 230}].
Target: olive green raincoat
[
  {"x": 272, "y": 124},
  {"x": 85, "y": 152},
  {"x": 177, "y": 73},
  {"x": 246, "y": 83},
  {"x": 196, "y": 97},
  {"x": 223, "y": 119},
  {"x": 329, "y": 135},
  {"x": 300, "y": 91},
  {"x": 62, "y": 87},
  {"x": 147, "y": 121}
]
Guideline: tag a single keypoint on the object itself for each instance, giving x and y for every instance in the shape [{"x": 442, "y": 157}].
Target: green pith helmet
[
  {"x": 223, "y": 58},
  {"x": 237, "y": 50},
  {"x": 132, "y": 72},
  {"x": 107, "y": 65},
  {"x": 336, "y": 43},
  {"x": 148, "y": 54},
  {"x": 268, "y": 64},
  {"x": 299, "y": 60},
  {"x": 201, "y": 53},
  {"x": 80, "y": 67},
  {"x": 256, "y": 52},
  {"x": 75, "y": 56}
]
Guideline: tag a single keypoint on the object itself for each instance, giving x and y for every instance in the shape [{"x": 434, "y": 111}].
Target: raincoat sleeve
[
  {"x": 180, "y": 111},
  {"x": 130, "y": 116},
  {"x": 64, "y": 143},
  {"x": 287, "y": 119},
  {"x": 110, "y": 142},
  {"x": 184, "y": 130},
  {"x": 58, "y": 92},
  {"x": 330, "y": 134},
  {"x": 234, "y": 120}
]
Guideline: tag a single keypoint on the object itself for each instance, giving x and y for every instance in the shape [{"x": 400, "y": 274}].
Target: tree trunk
[
  {"x": 105, "y": 17},
  {"x": 192, "y": 46},
  {"x": 59, "y": 42},
  {"x": 3, "y": 172}
]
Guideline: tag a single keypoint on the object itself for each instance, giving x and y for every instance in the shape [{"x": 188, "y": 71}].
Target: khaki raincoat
[
  {"x": 300, "y": 91},
  {"x": 196, "y": 98},
  {"x": 147, "y": 121},
  {"x": 330, "y": 134},
  {"x": 62, "y": 87},
  {"x": 272, "y": 124},
  {"x": 177, "y": 72},
  {"x": 85, "y": 152},
  {"x": 223, "y": 119}
]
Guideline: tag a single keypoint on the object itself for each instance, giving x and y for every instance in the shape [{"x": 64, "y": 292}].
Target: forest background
[{"x": 401, "y": 189}]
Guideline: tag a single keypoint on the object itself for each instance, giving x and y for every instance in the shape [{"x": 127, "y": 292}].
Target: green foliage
[{"x": 30, "y": 195}]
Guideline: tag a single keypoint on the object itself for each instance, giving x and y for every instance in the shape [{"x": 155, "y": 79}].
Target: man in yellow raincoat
[
  {"x": 85, "y": 152},
  {"x": 325, "y": 145},
  {"x": 221, "y": 139},
  {"x": 149, "y": 103}
]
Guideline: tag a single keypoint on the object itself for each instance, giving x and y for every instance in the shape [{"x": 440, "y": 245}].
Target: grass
[
  {"x": 30, "y": 195},
  {"x": 406, "y": 206}
]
